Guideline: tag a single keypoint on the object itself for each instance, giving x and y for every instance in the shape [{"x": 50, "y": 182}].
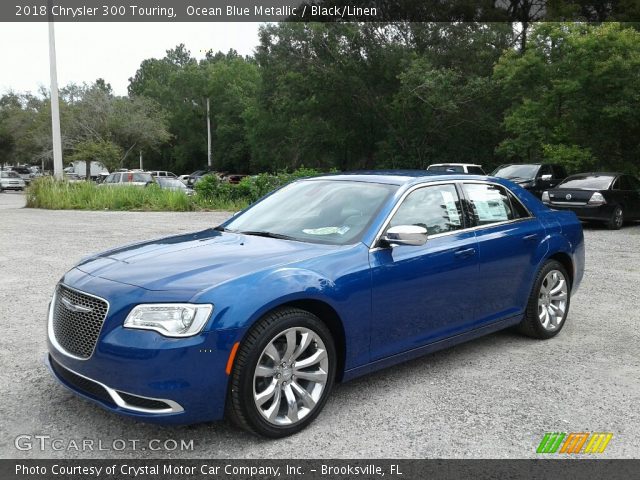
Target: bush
[{"x": 211, "y": 194}]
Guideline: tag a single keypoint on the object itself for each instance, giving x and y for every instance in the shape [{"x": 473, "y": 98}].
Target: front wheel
[
  {"x": 616, "y": 220},
  {"x": 548, "y": 303},
  {"x": 283, "y": 374}
]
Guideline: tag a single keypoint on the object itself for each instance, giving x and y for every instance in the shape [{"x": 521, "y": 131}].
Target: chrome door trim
[{"x": 374, "y": 245}]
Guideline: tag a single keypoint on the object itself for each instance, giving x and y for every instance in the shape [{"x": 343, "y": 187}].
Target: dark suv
[{"x": 535, "y": 177}]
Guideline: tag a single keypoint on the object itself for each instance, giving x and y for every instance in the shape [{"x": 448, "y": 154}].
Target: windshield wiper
[
  {"x": 267, "y": 234},
  {"x": 224, "y": 229}
]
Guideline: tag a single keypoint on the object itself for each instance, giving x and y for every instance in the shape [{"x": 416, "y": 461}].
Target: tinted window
[
  {"x": 624, "y": 183},
  {"x": 558, "y": 172},
  {"x": 435, "y": 208},
  {"x": 489, "y": 203},
  {"x": 635, "y": 183},
  {"x": 476, "y": 170},
  {"x": 588, "y": 182},
  {"x": 545, "y": 170}
]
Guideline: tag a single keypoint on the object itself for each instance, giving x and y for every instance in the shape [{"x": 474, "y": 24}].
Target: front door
[{"x": 422, "y": 294}]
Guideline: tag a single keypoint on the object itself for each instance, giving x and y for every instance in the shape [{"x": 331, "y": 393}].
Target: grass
[{"x": 50, "y": 194}]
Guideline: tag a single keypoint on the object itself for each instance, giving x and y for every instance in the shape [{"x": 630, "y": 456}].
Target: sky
[{"x": 113, "y": 51}]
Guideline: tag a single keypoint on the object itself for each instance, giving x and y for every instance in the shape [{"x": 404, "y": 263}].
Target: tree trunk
[{"x": 88, "y": 170}]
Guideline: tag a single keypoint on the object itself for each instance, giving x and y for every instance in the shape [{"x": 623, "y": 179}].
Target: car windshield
[
  {"x": 446, "y": 168},
  {"x": 516, "y": 171},
  {"x": 589, "y": 182},
  {"x": 9, "y": 175},
  {"x": 319, "y": 211}
]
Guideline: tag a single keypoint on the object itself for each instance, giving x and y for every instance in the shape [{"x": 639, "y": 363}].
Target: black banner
[
  {"x": 319, "y": 10},
  {"x": 565, "y": 469}
]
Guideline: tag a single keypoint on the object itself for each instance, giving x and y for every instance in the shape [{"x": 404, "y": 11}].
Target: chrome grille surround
[{"x": 75, "y": 321}]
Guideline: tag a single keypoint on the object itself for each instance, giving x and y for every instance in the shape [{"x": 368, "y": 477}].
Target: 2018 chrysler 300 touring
[{"x": 324, "y": 280}]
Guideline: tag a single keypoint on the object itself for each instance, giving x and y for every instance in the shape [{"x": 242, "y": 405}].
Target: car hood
[{"x": 197, "y": 261}]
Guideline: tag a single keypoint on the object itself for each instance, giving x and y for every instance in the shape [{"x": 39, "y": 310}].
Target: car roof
[
  {"x": 455, "y": 164},
  {"x": 399, "y": 177}
]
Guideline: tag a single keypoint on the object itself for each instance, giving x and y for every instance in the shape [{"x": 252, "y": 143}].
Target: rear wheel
[
  {"x": 283, "y": 374},
  {"x": 616, "y": 220},
  {"x": 548, "y": 303}
]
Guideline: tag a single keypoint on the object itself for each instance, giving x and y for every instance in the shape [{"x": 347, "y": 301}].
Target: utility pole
[
  {"x": 141, "y": 160},
  {"x": 55, "y": 103},
  {"x": 208, "y": 135}
]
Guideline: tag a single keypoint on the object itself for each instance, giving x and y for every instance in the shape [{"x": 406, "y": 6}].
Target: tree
[
  {"x": 104, "y": 151},
  {"x": 574, "y": 95}
]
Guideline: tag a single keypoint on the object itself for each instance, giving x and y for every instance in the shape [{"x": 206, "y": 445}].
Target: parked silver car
[{"x": 10, "y": 180}]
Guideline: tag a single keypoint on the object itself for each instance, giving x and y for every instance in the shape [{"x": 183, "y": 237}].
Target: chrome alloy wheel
[
  {"x": 552, "y": 300},
  {"x": 290, "y": 376}
]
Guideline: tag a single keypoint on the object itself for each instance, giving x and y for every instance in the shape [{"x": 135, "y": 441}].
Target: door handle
[
  {"x": 530, "y": 238},
  {"x": 465, "y": 252}
]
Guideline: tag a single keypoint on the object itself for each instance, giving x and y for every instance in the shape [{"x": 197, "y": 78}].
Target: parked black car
[
  {"x": 608, "y": 197},
  {"x": 535, "y": 177}
]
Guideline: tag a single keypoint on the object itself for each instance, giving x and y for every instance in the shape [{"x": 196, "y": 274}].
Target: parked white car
[
  {"x": 10, "y": 180},
  {"x": 163, "y": 173},
  {"x": 471, "y": 168},
  {"x": 119, "y": 179}
]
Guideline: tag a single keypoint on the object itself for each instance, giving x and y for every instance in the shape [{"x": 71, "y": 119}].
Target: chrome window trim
[
  {"x": 52, "y": 336},
  {"x": 174, "y": 407},
  {"x": 375, "y": 247}
]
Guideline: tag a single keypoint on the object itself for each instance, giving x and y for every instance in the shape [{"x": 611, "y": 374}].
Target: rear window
[{"x": 588, "y": 182}]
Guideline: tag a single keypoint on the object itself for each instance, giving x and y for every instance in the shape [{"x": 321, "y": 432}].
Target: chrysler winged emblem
[
  {"x": 568, "y": 197},
  {"x": 75, "y": 308}
]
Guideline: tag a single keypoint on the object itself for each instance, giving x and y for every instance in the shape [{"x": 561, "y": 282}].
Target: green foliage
[
  {"x": 104, "y": 151},
  {"x": 211, "y": 194},
  {"x": 574, "y": 95},
  {"x": 250, "y": 189},
  {"x": 48, "y": 193}
]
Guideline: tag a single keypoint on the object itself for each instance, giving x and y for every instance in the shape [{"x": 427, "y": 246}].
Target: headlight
[{"x": 170, "y": 319}]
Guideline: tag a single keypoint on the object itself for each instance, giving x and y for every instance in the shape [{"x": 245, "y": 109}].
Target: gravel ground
[{"x": 489, "y": 398}]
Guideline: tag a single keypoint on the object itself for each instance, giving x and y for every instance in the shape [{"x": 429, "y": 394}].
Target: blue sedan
[{"x": 322, "y": 281}]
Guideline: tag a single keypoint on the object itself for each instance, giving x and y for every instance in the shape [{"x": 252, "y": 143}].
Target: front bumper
[
  {"x": 142, "y": 374},
  {"x": 587, "y": 212}
]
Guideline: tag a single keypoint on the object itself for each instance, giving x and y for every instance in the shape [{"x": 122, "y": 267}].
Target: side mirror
[
  {"x": 546, "y": 177},
  {"x": 406, "y": 235}
]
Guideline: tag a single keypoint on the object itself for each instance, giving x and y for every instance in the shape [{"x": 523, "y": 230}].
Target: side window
[
  {"x": 616, "y": 184},
  {"x": 111, "y": 178},
  {"x": 490, "y": 203},
  {"x": 559, "y": 172},
  {"x": 624, "y": 183},
  {"x": 545, "y": 170},
  {"x": 476, "y": 171},
  {"x": 635, "y": 183},
  {"x": 436, "y": 208}
]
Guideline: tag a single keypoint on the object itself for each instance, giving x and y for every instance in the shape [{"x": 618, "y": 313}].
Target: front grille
[
  {"x": 82, "y": 384},
  {"x": 77, "y": 325},
  {"x": 142, "y": 402}
]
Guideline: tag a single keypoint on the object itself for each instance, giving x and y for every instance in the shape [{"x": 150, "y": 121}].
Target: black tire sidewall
[
  {"x": 612, "y": 221},
  {"x": 532, "y": 307},
  {"x": 292, "y": 318}
]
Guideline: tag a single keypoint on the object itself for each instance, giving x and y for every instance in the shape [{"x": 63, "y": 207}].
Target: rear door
[{"x": 509, "y": 241}]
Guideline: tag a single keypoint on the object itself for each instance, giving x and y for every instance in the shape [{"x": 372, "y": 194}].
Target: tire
[
  {"x": 616, "y": 220},
  {"x": 546, "y": 313},
  {"x": 256, "y": 376}
]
